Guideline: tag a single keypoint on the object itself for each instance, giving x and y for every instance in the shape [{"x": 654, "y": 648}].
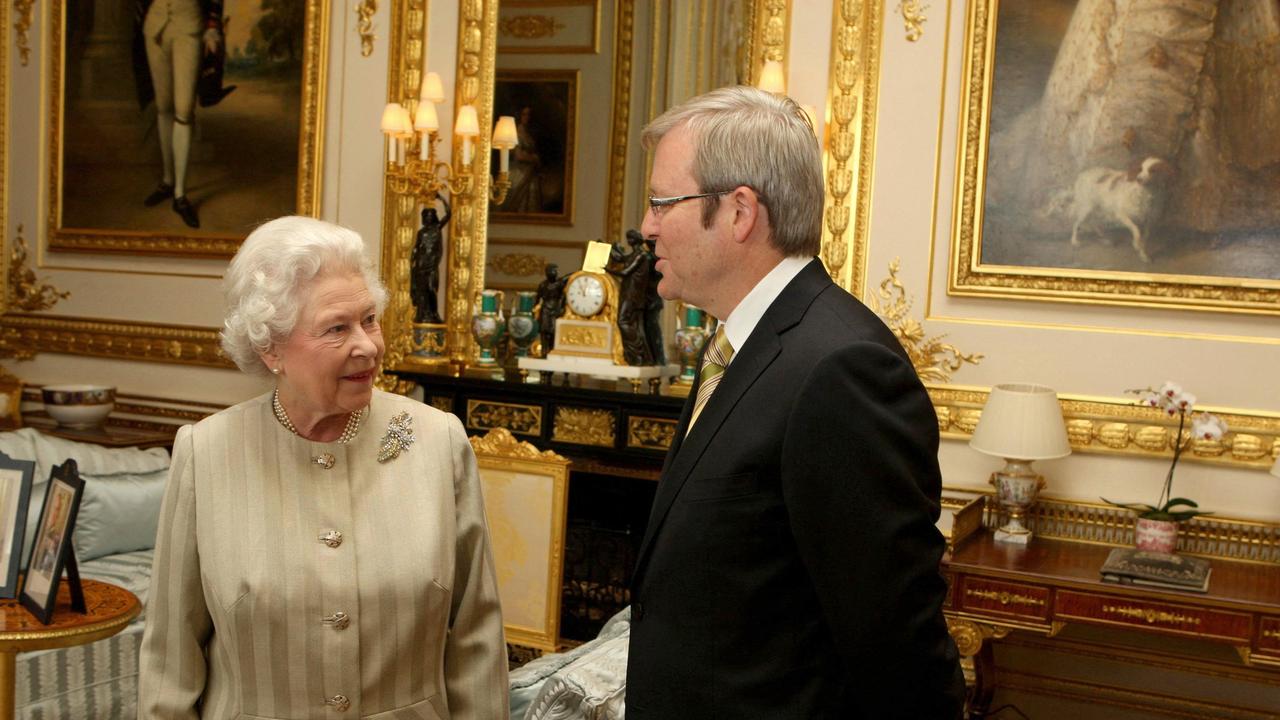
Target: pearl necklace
[{"x": 349, "y": 432}]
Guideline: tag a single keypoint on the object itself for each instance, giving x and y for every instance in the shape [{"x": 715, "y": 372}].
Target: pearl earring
[{"x": 275, "y": 371}]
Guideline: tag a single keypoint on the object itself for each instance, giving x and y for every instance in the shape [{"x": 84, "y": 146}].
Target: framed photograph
[
  {"x": 51, "y": 547},
  {"x": 545, "y": 106},
  {"x": 1119, "y": 159},
  {"x": 15, "y": 493},
  {"x": 168, "y": 138}
]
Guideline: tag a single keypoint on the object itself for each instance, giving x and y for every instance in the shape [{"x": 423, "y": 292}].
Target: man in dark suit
[{"x": 790, "y": 565}]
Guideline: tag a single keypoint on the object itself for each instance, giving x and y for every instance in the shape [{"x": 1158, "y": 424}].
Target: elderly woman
[{"x": 322, "y": 549}]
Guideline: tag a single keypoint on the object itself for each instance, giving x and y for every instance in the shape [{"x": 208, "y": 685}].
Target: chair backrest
[{"x": 525, "y": 498}]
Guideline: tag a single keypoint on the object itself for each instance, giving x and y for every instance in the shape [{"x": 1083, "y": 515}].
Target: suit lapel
[{"x": 747, "y": 365}]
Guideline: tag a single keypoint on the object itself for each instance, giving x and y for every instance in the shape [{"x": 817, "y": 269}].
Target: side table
[{"x": 110, "y": 607}]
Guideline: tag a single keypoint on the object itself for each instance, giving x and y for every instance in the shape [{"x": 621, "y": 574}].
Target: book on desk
[{"x": 1131, "y": 566}]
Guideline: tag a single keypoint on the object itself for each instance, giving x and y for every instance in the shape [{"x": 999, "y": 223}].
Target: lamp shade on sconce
[
  {"x": 425, "y": 118},
  {"x": 432, "y": 89},
  {"x": 467, "y": 125},
  {"x": 504, "y": 133},
  {"x": 391, "y": 118},
  {"x": 1022, "y": 421},
  {"x": 772, "y": 79}
]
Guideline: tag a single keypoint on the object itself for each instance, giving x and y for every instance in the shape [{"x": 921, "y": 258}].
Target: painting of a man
[
  {"x": 1140, "y": 141},
  {"x": 153, "y": 138}
]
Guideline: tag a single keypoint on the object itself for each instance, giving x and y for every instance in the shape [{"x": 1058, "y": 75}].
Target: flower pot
[{"x": 1156, "y": 535}]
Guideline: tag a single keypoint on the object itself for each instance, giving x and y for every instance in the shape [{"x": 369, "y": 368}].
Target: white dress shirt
[{"x": 744, "y": 318}]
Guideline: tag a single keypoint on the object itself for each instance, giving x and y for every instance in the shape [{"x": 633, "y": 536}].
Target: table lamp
[{"x": 1021, "y": 423}]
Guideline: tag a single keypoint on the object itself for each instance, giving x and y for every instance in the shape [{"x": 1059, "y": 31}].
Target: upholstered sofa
[
  {"x": 114, "y": 534},
  {"x": 585, "y": 683}
]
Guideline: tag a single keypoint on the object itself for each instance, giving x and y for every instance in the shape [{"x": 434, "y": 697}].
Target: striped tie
[{"x": 713, "y": 364}]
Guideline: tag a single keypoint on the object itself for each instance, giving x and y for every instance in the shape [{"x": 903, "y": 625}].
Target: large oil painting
[
  {"x": 183, "y": 123},
  {"x": 544, "y": 105},
  {"x": 1122, "y": 152}
]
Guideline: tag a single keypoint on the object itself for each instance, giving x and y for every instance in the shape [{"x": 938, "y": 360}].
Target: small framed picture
[
  {"x": 52, "y": 544},
  {"x": 15, "y": 493}
]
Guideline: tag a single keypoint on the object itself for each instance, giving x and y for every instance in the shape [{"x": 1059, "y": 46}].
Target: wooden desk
[
  {"x": 110, "y": 610},
  {"x": 995, "y": 589}
]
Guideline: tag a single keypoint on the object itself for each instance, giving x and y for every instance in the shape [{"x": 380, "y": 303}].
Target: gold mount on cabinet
[{"x": 933, "y": 359}]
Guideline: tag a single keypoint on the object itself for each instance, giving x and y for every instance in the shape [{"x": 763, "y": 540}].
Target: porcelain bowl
[{"x": 78, "y": 406}]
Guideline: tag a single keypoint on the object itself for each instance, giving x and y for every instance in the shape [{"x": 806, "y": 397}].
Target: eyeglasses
[{"x": 658, "y": 205}]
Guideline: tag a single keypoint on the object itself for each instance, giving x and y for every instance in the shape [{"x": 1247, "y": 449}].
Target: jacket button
[
  {"x": 338, "y": 620},
  {"x": 338, "y": 702}
]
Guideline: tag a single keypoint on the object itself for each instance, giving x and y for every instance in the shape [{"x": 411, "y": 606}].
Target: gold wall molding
[
  {"x": 850, "y": 148},
  {"x": 310, "y": 154},
  {"x": 933, "y": 359},
  {"x": 21, "y": 26},
  {"x": 517, "y": 418},
  {"x": 500, "y": 442},
  {"x": 913, "y": 18},
  {"x": 530, "y": 27},
  {"x": 183, "y": 345},
  {"x": 1098, "y": 523},
  {"x": 518, "y": 264},
  {"x": 1104, "y": 426},
  {"x": 365, "y": 10},
  {"x": 624, "y": 32},
  {"x": 26, "y": 292},
  {"x": 583, "y": 426},
  {"x": 768, "y": 37}
]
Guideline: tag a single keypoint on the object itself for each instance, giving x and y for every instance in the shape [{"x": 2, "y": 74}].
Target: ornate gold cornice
[
  {"x": 933, "y": 359},
  {"x": 620, "y": 126},
  {"x": 851, "y": 100},
  {"x": 500, "y": 442},
  {"x": 1096, "y": 425},
  {"x": 185, "y": 345},
  {"x": 365, "y": 10}
]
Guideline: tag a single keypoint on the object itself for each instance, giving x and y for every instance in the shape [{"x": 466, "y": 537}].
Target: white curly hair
[{"x": 267, "y": 279}]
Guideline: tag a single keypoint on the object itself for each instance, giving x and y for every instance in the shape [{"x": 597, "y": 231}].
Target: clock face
[{"x": 585, "y": 295}]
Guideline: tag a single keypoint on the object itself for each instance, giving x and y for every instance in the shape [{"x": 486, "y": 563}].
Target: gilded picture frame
[
  {"x": 255, "y": 139},
  {"x": 1081, "y": 167},
  {"x": 545, "y": 106}
]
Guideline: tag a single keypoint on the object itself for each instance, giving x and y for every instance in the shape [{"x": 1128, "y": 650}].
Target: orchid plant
[{"x": 1173, "y": 400}]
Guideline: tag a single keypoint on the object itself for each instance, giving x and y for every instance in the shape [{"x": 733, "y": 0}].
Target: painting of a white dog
[{"x": 1107, "y": 198}]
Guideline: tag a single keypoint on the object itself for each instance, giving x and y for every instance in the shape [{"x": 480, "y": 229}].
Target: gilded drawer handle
[
  {"x": 1271, "y": 634},
  {"x": 1004, "y": 597},
  {"x": 1150, "y": 616}
]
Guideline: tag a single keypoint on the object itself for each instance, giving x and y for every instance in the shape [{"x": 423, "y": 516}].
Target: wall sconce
[
  {"x": 413, "y": 133},
  {"x": 1021, "y": 423}
]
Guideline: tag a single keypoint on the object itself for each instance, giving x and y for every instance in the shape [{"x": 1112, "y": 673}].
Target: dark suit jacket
[{"x": 791, "y": 565}]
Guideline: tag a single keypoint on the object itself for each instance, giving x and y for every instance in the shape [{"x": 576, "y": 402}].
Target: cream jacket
[{"x": 282, "y": 589}]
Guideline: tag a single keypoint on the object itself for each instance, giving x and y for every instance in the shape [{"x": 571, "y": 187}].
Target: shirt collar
[{"x": 743, "y": 319}]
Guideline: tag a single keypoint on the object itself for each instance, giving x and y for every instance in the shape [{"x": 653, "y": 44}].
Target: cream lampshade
[
  {"x": 772, "y": 78},
  {"x": 1021, "y": 422}
]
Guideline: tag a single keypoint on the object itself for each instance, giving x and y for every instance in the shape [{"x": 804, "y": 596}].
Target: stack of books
[{"x": 1130, "y": 566}]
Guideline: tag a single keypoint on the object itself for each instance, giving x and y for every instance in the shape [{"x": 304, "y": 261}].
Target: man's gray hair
[
  {"x": 265, "y": 282},
  {"x": 746, "y": 136}
]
